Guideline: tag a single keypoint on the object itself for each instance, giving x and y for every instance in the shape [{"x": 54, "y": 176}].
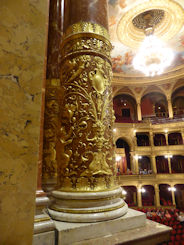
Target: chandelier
[{"x": 153, "y": 56}]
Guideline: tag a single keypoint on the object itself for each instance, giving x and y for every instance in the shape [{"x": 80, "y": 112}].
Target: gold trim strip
[
  {"x": 90, "y": 200},
  {"x": 74, "y": 191},
  {"x": 41, "y": 219},
  {"x": 87, "y": 211}
]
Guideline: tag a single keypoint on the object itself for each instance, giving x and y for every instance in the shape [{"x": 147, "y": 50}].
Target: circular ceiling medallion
[
  {"x": 150, "y": 18},
  {"x": 167, "y": 25}
]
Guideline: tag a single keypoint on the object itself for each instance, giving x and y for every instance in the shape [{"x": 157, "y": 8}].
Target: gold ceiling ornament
[
  {"x": 150, "y": 18},
  {"x": 166, "y": 28}
]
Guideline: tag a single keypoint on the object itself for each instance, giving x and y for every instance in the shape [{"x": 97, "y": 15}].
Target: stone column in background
[
  {"x": 139, "y": 196},
  {"x": 139, "y": 113},
  {"x": 157, "y": 195},
  {"x": 136, "y": 161},
  {"x": 166, "y": 138},
  {"x": 85, "y": 149},
  {"x": 173, "y": 197},
  {"x": 132, "y": 164},
  {"x": 169, "y": 164},
  {"x": 182, "y": 134},
  {"x": 153, "y": 164},
  {"x": 55, "y": 34},
  {"x": 170, "y": 109},
  {"x": 42, "y": 222},
  {"x": 134, "y": 139},
  {"x": 151, "y": 138}
]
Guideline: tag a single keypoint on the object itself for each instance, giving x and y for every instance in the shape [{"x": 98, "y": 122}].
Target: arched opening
[
  {"x": 148, "y": 196},
  {"x": 177, "y": 164},
  {"x": 162, "y": 165},
  {"x": 179, "y": 196},
  {"x": 154, "y": 105},
  {"x": 131, "y": 195},
  {"x": 178, "y": 102},
  {"x": 123, "y": 161},
  {"x": 125, "y": 108},
  {"x": 165, "y": 195},
  {"x": 142, "y": 139},
  {"x": 159, "y": 140},
  {"x": 175, "y": 139},
  {"x": 144, "y": 165}
]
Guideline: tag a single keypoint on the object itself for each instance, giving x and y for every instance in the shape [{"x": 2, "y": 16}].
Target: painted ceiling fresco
[{"x": 122, "y": 55}]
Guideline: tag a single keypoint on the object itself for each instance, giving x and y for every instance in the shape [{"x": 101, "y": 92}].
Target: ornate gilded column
[
  {"x": 139, "y": 113},
  {"x": 55, "y": 34},
  {"x": 87, "y": 188},
  {"x": 42, "y": 221},
  {"x": 170, "y": 109}
]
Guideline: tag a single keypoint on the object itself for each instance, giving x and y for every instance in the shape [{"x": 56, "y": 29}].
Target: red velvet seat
[
  {"x": 173, "y": 232},
  {"x": 178, "y": 237},
  {"x": 172, "y": 238},
  {"x": 176, "y": 243}
]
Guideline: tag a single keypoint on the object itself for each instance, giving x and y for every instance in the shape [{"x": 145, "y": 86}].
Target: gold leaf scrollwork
[{"x": 85, "y": 143}]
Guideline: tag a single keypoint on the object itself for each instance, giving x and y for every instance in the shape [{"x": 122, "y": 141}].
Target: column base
[{"x": 84, "y": 207}]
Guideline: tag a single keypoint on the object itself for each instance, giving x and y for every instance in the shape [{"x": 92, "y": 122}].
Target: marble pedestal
[
  {"x": 42, "y": 221},
  {"x": 46, "y": 238},
  {"x": 130, "y": 227}
]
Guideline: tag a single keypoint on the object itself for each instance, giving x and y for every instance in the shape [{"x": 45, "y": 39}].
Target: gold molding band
[
  {"x": 104, "y": 190},
  {"x": 94, "y": 200},
  {"x": 86, "y": 211},
  {"x": 41, "y": 219},
  {"x": 86, "y": 27},
  {"x": 86, "y": 43}
]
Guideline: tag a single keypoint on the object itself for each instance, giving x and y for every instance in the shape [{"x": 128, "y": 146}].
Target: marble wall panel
[{"x": 23, "y": 37}]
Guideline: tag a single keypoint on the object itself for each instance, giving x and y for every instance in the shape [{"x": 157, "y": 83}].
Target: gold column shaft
[{"x": 85, "y": 149}]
